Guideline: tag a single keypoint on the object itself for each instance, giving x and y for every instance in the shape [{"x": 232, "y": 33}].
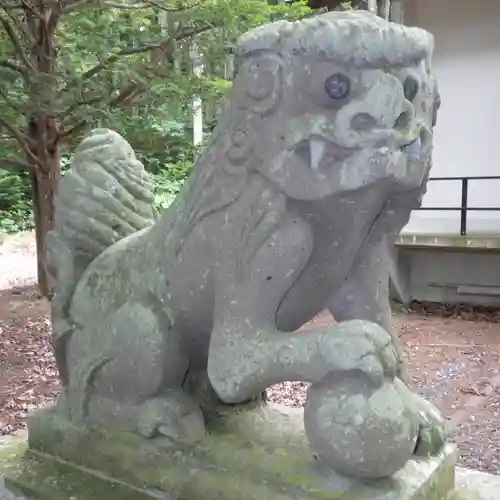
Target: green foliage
[
  {"x": 173, "y": 144},
  {"x": 18, "y": 218},
  {"x": 168, "y": 170},
  {"x": 16, "y": 212},
  {"x": 13, "y": 187},
  {"x": 168, "y": 183},
  {"x": 115, "y": 68},
  {"x": 15, "y": 204},
  {"x": 123, "y": 68}
]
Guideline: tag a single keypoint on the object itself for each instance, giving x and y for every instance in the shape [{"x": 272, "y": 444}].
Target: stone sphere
[{"x": 357, "y": 429}]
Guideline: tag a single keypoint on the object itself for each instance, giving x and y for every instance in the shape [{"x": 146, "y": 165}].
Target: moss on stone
[
  {"x": 225, "y": 463},
  {"x": 45, "y": 479},
  {"x": 459, "y": 495},
  {"x": 440, "y": 484},
  {"x": 258, "y": 454}
]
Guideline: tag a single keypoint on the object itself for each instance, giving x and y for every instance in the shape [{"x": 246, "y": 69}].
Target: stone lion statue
[{"x": 322, "y": 151}]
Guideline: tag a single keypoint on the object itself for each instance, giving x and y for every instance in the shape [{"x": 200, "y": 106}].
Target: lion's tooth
[{"x": 316, "y": 151}]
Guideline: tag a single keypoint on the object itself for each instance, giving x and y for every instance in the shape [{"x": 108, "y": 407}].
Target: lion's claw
[
  {"x": 360, "y": 345},
  {"x": 431, "y": 435}
]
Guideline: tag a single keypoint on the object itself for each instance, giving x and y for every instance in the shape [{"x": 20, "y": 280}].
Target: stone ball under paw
[{"x": 357, "y": 429}]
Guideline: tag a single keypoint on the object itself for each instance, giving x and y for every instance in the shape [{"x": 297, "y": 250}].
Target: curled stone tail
[{"x": 105, "y": 196}]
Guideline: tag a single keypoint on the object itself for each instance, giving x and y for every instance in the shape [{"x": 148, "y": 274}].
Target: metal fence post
[{"x": 463, "y": 207}]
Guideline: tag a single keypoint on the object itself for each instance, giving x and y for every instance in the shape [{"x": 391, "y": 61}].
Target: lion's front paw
[
  {"x": 361, "y": 346},
  {"x": 431, "y": 435}
]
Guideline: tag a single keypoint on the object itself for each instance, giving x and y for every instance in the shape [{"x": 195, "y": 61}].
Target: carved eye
[
  {"x": 338, "y": 86},
  {"x": 410, "y": 88}
]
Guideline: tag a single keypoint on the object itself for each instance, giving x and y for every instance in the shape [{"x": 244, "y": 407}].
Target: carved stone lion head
[{"x": 333, "y": 103}]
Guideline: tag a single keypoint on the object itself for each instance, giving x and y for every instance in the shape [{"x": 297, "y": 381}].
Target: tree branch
[
  {"x": 63, "y": 115},
  {"x": 15, "y": 164},
  {"x": 34, "y": 12},
  {"x": 9, "y": 103},
  {"x": 181, "y": 33},
  {"x": 14, "y": 67},
  {"x": 125, "y": 94},
  {"x": 127, "y": 6},
  {"x": 119, "y": 99},
  {"x": 54, "y": 17},
  {"x": 158, "y": 44},
  {"x": 17, "y": 44},
  {"x": 22, "y": 139},
  {"x": 148, "y": 4},
  {"x": 24, "y": 5},
  {"x": 69, "y": 132},
  {"x": 113, "y": 58},
  {"x": 19, "y": 25},
  {"x": 82, "y": 4}
]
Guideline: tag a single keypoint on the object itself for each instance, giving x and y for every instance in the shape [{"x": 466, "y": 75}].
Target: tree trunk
[
  {"x": 44, "y": 181},
  {"x": 43, "y": 128}
]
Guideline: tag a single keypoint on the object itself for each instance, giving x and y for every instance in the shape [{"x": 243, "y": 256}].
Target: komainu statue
[{"x": 163, "y": 325}]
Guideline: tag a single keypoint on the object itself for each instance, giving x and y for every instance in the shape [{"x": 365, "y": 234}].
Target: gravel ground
[
  {"x": 18, "y": 266},
  {"x": 453, "y": 356}
]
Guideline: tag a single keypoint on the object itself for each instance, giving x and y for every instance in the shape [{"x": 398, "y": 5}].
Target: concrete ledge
[
  {"x": 447, "y": 268},
  {"x": 486, "y": 242},
  {"x": 254, "y": 454},
  {"x": 475, "y": 485},
  {"x": 29, "y": 476}
]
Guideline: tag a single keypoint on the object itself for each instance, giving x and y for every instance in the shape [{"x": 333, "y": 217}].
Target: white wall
[{"x": 467, "y": 135}]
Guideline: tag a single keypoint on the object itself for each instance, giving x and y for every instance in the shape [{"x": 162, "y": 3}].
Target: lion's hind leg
[{"x": 127, "y": 371}]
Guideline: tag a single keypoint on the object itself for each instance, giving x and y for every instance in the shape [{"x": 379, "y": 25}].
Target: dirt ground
[
  {"x": 28, "y": 377},
  {"x": 454, "y": 362}
]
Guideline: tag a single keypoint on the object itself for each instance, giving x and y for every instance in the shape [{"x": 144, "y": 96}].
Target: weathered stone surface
[
  {"x": 9, "y": 491},
  {"x": 30, "y": 476},
  {"x": 323, "y": 151},
  {"x": 474, "y": 485},
  {"x": 341, "y": 411},
  {"x": 249, "y": 454}
]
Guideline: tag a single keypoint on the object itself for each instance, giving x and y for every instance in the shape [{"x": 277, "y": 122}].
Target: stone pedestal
[{"x": 255, "y": 453}]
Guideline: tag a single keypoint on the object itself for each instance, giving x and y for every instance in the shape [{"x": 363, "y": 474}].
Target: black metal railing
[{"x": 464, "y": 205}]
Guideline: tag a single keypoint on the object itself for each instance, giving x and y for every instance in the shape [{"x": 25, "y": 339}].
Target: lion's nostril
[
  {"x": 363, "y": 122},
  {"x": 411, "y": 87}
]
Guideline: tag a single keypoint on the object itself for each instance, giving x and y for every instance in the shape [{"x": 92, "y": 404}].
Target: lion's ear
[{"x": 261, "y": 78}]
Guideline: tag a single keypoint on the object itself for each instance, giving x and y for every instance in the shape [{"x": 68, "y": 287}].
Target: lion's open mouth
[{"x": 316, "y": 151}]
